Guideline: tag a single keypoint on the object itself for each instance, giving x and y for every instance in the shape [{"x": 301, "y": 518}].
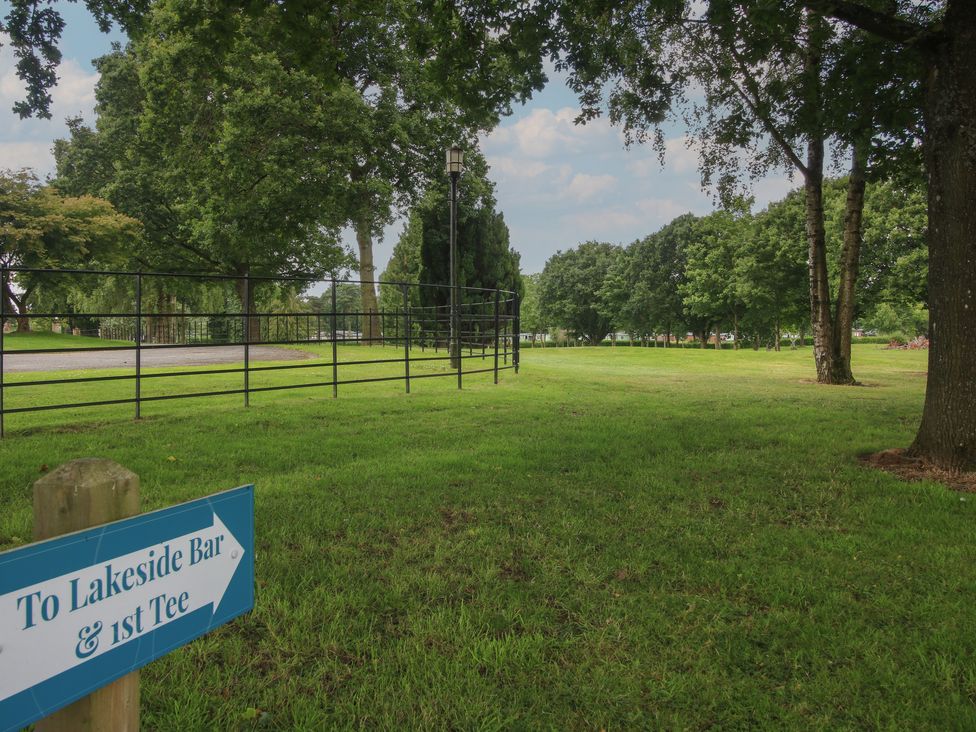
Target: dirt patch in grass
[
  {"x": 900, "y": 463},
  {"x": 455, "y": 519},
  {"x": 864, "y": 384}
]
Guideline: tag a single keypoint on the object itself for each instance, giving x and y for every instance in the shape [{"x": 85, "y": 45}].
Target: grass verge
[
  {"x": 616, "y": 538},
  {"x": 19, "y": 341}
]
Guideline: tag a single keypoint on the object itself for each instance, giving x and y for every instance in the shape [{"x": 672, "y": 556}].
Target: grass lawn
[
  {"x": 616, "y": 538},
  {"x": 18, "y": 341}
]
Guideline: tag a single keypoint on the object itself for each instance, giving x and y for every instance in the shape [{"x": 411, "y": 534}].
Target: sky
[{"x": 557, "y": 183}]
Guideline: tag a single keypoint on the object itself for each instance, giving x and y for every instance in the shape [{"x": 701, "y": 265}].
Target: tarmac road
[{"x": 192, "y": 356}]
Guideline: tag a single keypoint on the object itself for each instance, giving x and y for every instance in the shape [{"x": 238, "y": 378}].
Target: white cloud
[
  {"x": 546, "y": 133},
  {"x": 36, "y": 155},
  {"x": 663, "y": 210},
  {"x": 772, "y": 189},
  {"x": 680, "y": 156},
  {"x": 644, "y": 167},
  {"x": 627, "y": 223},
  {"x": 563, "y": 173},
  {"x": 73, "y": 95},
  {"x": 28, "y": 142},
  {"x": 509, "y": 167},
  {"x": 584, "y": 186},
  {"x": 601, "y": 224}
]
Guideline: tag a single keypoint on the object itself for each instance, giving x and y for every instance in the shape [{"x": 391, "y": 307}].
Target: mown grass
[
  {"x": 20, "y": 341},
  {"x": 616, "y": 538}
]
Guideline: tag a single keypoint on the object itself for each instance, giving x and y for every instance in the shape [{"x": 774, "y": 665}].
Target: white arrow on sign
[{"x": 31, "y": 655}]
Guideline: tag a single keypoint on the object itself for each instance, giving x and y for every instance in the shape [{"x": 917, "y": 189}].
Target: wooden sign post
[
  {"x": 107, "y": 590},
  {"x": 79, "y": 495}
]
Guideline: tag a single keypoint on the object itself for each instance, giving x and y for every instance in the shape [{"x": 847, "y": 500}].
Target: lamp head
[{"x": 455, "y": 160}]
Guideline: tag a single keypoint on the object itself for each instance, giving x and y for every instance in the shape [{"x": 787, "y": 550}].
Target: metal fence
[{"x": 160, "y": 311}]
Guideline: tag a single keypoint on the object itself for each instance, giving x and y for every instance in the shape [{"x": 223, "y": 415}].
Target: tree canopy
[
  {"x": 570, "y": 289},
  {"x": 40, "y": 228}
]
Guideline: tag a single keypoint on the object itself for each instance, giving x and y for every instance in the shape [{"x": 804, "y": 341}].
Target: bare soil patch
[
  {"x": 866, "y": 384},
  {"x": 906, "y": 467}
]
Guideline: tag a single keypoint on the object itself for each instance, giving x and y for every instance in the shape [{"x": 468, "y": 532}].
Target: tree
[
  {"x": 771, "y": 270},
  {"x": 404, "y": 122},
  {"x": 942, "y": 36},
  {"x": 376, "y": 117},
  {"x": 569, "y": 289},
  {"x": 614, "y": 296},
  {"x": 900, "y": 321},
  {"x": 894, "y": 262},
  {"x": 404, "y": 266},
  {"x": 40, "y": 229},
  {"x": 478, "y": 52},
  {"x": 923, "y": 59},
  {"x": 233, "y": 159},
  {"x": 113, "y": 162},
  {"x": 485, "y": 257},
  {"x": 773, "y": 79},
  {"x": 711, "y": 289},
  {"x": 645, "y": 283},
  {"x": 664, "y": 269},
  {"x": 530, "y": 315}
]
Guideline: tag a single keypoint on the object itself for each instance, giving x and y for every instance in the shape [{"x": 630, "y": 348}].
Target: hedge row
[{"x": 784, "y": 343}]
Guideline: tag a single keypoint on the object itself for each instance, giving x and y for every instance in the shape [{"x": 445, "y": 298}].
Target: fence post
[
  {"x": 3, "y": 322},
  {"x": 497, "y": 297},
  {"x": 396, "y": 328},
  {"x": 139, "y": 345},
  {"x": 79, "y": 495},
  {"x": 335, "y": 349},
  {"x": 517, "y": 344},
  {"x": 246, "y": 333},
  {"x": 505, "y": 343},
  {"x": 456, "y": 328},
  {"x": 406, "y": 336}
]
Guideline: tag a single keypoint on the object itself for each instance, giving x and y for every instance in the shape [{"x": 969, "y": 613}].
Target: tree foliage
[
  {"x": 40, "y": 228},
  {"x": 570, "y": 289},
  {"x": 486, "y": 258},
  {"x": 747, "y": 272}
]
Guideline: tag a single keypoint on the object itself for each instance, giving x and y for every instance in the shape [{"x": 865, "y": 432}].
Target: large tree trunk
[
  {"x": 9, "y": 309},
  {"x": 17, "y": 308},
  {"x": 831, "y": 368},
  {"x": 372, "y": 328},
  {"x": 159, "y": 331},
  {"x": 947, "y": 434},
  {"x": 850, "y": 257},
  {"x": 253, "y": 323}
]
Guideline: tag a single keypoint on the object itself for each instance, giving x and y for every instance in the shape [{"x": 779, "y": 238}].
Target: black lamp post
[{"x": 455, "y": 164}]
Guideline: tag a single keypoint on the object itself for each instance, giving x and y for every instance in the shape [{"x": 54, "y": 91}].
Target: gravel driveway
[{"x": 194, "y": 356}]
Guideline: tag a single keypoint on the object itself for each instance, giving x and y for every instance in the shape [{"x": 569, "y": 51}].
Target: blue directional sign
[{"x": 84, "y": 609}]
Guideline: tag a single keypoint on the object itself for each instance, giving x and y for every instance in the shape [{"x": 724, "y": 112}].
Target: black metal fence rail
[{"x": 485, "y": 326}]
